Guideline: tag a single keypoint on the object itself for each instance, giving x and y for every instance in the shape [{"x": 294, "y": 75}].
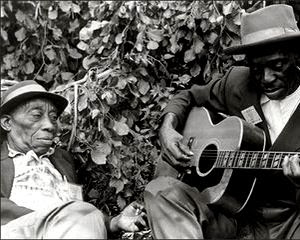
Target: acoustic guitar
[{"x": 227, "y": 150}]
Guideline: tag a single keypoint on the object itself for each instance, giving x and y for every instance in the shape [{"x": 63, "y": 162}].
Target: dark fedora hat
[
  {"x": 274, "y": 24},
  {"x": 27, "y": 90}
]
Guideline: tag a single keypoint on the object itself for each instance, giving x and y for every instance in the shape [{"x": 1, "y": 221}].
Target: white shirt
[
  {"x": 278, "y": 112},
  {"x": 37, "y": 184}
]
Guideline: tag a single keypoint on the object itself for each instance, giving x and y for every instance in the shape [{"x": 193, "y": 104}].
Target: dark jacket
[
  {"x": 61, "y": 160},
  {"x": 230, "y": 95}
]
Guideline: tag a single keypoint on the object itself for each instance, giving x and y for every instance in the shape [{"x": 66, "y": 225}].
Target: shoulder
[
  {"x": 62, "y": 154},
  {"x": 238, "y": 74}
]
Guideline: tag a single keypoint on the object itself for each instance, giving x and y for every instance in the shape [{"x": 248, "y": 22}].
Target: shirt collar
[
  {"x": 14, "y": 153},
  {"x": 264, "y": 99}
]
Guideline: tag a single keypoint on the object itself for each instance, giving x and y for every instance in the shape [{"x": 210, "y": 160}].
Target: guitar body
[{"x": 206, "y": 135}]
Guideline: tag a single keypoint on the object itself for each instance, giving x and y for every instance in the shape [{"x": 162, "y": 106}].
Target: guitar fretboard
[{"x": 251, "y": 159}]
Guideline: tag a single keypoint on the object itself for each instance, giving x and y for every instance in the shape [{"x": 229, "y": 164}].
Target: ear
[{"x": 5, "y": 122}]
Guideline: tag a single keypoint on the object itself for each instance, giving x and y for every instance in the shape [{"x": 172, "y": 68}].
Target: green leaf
[
  {"x": 65, "y": 6},
  {"x": 152, "y": 45},
  {"x": 66, "y": 76},
  {"x": 117, "y": 184},
  {"x": 100, "y": 152},
  {"x": 82, "y": 102},
  {"x": 20, "y": 16},
  {"x": 50, "y": 53},
  {"x": 227, "y": 8},
  {"x": 110, "y": 97},
  {"x": 155, "y": 35},
  {"x": 52, "y": 13},
  {"x": 168, "y": 56},
  {"x": 198, "y": 45},
  {"x": 74, "y": 53},
  {"x": 143, "y": 86},
  {"x": 82, "y": 46},
  {"x": 195, "y": 70},
  {"x": 189, "y": 55},
  {"x": 119, "y": 38},
  {"x": 212, "y": 37},
  {"x": 75, "y": 8},
  {"x": 95, "y": 113},
  {"x": 20, "y": 34},
  {"x": 29, "y": 67},
  {"x": 184, "y": 79},
  {"x": 121, "y": 128},
  {"x": 87, "y": 61},
  {"x": 4, "y": 34}
]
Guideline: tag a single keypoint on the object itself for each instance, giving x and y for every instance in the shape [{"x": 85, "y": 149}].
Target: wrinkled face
[
  {"x": 31, "y": 126},
  {"x": 275, "y": 73}
]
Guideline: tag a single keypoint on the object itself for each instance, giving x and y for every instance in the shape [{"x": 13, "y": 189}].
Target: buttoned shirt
[
  {"x": 278, "y": 112},
  {"x": 37, "y": 183}
]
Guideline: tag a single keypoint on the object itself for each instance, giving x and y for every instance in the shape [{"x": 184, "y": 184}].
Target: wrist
[
  {"x": 113, "y": 225},
  {"x": 170, "y": 121}
]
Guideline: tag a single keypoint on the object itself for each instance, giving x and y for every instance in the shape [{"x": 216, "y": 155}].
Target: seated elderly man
[{"x": 39, "y": 194}]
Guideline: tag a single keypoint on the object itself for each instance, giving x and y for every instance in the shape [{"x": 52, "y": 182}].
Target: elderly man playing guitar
[{"x": 235, "y": 176}]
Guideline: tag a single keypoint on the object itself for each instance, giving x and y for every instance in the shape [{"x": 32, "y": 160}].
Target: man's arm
[{"x": 174, "y": 116}]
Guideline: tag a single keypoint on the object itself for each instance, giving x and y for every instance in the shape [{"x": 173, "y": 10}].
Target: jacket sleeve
[
  {"x": 11, "y": 211},
  {"x": 211, "y": 95}
]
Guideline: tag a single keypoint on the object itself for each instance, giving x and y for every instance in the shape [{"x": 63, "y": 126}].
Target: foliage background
[{"x": 118, "y": 63}]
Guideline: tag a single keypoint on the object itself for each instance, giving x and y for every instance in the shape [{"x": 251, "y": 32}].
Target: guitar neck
[{"x": 251, "y": 159}]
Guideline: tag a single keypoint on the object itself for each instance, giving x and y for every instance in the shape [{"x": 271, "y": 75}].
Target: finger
[
  {"x": 295, "y": 166},
  {"x": 177, "y": 152},
  {"x": 185, "y": 150},
  {"x": 286, "y": 166},
  {"x": 140, "y": 223},
  {"x": 176, "y": 161}
]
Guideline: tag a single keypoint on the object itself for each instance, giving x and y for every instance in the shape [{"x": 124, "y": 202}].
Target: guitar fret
[
  {"x": 241, "y": 159},
  {"x": 276, "y": 160},
  {"x": 254, "y": 160},
  {"x": 259, "y": 159},
  {"x": 270, "y": 159},
  {"x": 231, "y": 158},
  {"x": 219, "y": 159},
  {"x": 263, "y": 163},
  {"x": 225, "y": 159},
  {"x": 249, "y": 159}
]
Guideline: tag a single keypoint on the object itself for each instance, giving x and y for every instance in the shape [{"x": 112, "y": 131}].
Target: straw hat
[{"x": 27, "y": 90}]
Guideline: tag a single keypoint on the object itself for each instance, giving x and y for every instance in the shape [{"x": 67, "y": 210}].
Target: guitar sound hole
[{"x": 208, "y": 158}]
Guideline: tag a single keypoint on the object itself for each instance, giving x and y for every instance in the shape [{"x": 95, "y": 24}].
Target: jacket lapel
[
  {"x": 7, "y": 171},
  {"x": 252, "y": 98}
]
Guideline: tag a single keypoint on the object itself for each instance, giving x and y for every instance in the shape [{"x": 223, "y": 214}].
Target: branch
[{"x": 73, "y": 133}]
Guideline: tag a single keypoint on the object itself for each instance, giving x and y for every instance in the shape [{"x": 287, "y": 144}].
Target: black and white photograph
[{"x": 150, "y": 119}]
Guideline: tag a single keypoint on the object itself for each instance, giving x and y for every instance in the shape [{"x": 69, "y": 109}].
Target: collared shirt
[
  {"x": 37, "y": 184},
  {"x": 278, "y": 112}
]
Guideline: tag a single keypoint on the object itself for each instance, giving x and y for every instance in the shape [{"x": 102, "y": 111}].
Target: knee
[
  {"x": 82, "y": 209},
  {"x": 168, "y": 188}
]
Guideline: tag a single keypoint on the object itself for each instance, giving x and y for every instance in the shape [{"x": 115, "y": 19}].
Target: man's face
[
  {"x": 275, "y": 73},
  {"x": 33, "y": 126}
]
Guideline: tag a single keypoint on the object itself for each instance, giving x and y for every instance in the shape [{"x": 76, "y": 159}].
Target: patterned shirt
[{"x": 37, "y": 184}]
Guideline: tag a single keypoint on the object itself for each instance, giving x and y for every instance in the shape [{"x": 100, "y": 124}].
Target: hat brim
[
  {"x": 58, "y": 101},
  {"x": 246, "y": 48}
]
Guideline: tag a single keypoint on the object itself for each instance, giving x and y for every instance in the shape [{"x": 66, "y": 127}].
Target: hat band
[
  {"x": 266, "y": 34},
  {"x": 24, "y": 89}
]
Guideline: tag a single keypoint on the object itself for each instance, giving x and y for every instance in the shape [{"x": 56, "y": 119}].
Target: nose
[
  {"x": 269, "y": 75},
  {"x": 49, "y": 125}
]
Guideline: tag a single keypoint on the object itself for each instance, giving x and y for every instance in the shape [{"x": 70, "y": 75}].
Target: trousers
[
  {"x": 73, "y": 220},
  {"x": 175, "y": 211}
]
